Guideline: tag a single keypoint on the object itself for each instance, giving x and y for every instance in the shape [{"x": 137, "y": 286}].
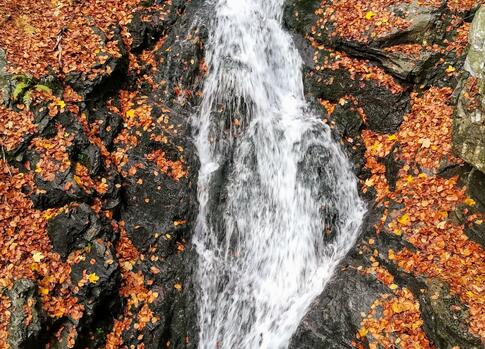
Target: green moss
[
  {"x": 43, "y": 88},
  {"x": 27, "y": 98},
  {"x": 19, "y": 89}
]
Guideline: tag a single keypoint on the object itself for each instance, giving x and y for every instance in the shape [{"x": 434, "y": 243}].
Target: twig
[
  {"x": 5, "y": 160},
  {"x": 58, "y": 45}
]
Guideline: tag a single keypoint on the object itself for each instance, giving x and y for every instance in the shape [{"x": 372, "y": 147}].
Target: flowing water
[{"x": 279, "y": 206}]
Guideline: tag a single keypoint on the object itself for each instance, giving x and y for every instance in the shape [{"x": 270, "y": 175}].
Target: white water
[{"x": 262, "y": 252}]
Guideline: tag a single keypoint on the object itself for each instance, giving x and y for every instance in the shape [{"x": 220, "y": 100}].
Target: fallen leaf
[
  {"x": 93, "y": 278},
  {"x": 369, "y": 15},
  {"x": 37, "y": 256}
]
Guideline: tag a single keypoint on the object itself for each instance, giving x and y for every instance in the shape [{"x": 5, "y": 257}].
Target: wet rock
[
  {"x": 67, "y": 333},
  {"x": 475, "y": 229},
  {"x": 446, "y": 318},
  {"x": 476, "y": 232},
  {"x": 469, "y": 125},
  {"x": 100, "y": 277},
  {"x": 159, "y": 210},
  {"x": 147, "y": 26},
  {"x": 82, "y": 150},
  {"x": 182, "y": 55},
  {"x": 469, "y": 121},
  {"x": 75, "y": 228},
  {"x": 26, "y": 315},
  {"x": 393, "y": 165},
  {"x": 476, "y": 186},
  {"x": 97, "y": 278},
  {"x": 334, "y": 317},
  {"x": 156, "y": 206},
  {"x": 110, "y": 124},
  {"x": 299, "y": 15},
  {"x": 175, "y": 307},
  {"x": 384, "y": 109},
  {"x": 54, "y": 193},
  {"x": 86, "y": 83},
  {"x": 347, "y": 120}
]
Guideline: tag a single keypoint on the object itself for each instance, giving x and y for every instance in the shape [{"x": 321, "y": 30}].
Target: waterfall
[{"x": 279, "y": 206}]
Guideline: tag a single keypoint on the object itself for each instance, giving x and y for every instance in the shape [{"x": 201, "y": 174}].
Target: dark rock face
[
  {"x": 333, "y": 318},
  {"x": 393, "y": 166},
  {"x": 113, "y": 65},
  {"x": 445, "y": 317},
  {"x": 384, "y": 108},
  {"x": 26, "y": 315},
  {"x": 102, "y": 288},
  {"x": 475, "y": 182},
  {"x": 75, "y": 229},
  {"x": 469, "y": 123}
]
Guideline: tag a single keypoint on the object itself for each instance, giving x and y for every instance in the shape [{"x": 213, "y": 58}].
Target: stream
[{"x": 279, "y": 205}]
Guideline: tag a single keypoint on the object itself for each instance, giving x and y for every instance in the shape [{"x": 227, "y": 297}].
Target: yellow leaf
[
  {"x": 49, "y": 214},
  {"x": 369, "y": 15},
  {"x": 470, "y": 202},
  {"x": 375, "y": 148},
  {"x": 61, "y": 104},
  {"x": 398, "y": 232},
  {"x": 416, "y": 324},
  {"x": 77, "y": 179},
  {"x": 363, "y": 332},
  {"x": 93, "y": 278},
  {"x": 409, "y": 179},
  {"x": 450, "y": 69},
  {"x": 392, "y": 138},
  {"x": 43, "y": 290},
  {"x": 393, "y": 286},
  {"x": 369, "y": 182},
  {"x": 404, "y": 219},
  {"x": 130, "y": 113},
  {"x": 391, "y": 255},
  {"x": 178, "y": 287},
  {"x": 37, "y": 256},
  {"x": 398, "y": 308}
]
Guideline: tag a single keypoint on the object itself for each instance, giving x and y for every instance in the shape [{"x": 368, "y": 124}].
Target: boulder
[
  {"x": 445, "y": 317},
  {"x": 114, "y": 64},
  {"x": 75, "y": 228},
  {"x": 100, "y": 266},
  {"x": 469, "y": 121},
  {"x": 334, "y": 317},
  {"x": 383, "y": 108},
  {"x": 26, "y": 315}
]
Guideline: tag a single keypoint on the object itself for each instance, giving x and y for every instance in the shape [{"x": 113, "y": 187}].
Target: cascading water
[{"x": 279, "y": 206}]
